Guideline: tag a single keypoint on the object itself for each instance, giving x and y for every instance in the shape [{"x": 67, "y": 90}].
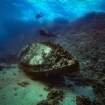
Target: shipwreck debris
[{"x": 47, "y": 58}]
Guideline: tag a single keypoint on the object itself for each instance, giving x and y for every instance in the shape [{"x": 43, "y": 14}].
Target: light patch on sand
[{"x": 13, "y": 94}]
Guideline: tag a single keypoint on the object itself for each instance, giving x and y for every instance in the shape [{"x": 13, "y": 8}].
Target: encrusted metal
[{"x": 47, "y": 57}]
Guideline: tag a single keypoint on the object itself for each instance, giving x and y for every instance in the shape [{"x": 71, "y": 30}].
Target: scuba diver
[
  {"x": 39, "y": 15},
  {"x": 42, "y": 32}
]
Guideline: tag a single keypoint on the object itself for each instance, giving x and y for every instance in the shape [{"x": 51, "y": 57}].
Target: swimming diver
[
  {"x": 42, "y": 32},
  {"x": 39, "y": 15}
]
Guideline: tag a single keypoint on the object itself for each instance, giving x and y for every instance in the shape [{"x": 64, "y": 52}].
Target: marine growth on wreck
[{"x": 47, "y": 57}]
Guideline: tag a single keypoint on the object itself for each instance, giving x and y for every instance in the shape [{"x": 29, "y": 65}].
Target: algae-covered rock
[
  {"x": 46, "y": 57},
  {"x": 83, "y": 100}
]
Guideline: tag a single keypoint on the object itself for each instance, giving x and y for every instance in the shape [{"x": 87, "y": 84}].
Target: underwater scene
[{"x": 52, "y": 52}]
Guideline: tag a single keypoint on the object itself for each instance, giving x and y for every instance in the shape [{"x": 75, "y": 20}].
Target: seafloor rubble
[
  {"x": 53, "y": 98},
  {"x": 83, "y": 100},
  {"x": 86, "y": 41}
]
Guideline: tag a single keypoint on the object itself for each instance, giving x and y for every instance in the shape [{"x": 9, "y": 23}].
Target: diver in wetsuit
[
  {"x": 39, "y": 15},
  {"x": 42, "y": 32}
]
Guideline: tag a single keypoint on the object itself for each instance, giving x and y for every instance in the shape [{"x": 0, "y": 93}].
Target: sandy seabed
[{"x": 11, "y": 93}]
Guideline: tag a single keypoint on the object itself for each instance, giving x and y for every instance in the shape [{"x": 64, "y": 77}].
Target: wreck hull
[{"x": 50, "y": 59}]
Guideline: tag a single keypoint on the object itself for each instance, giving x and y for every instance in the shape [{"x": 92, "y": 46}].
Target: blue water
[{"x": 18, "y": 25}]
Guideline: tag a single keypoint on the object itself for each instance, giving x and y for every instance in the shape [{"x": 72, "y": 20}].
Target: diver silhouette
[
  {"x": 42, "y": 32},
  {"x": 39, "y": 15}
]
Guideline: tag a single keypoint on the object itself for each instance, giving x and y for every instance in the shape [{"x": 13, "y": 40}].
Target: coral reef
[
  {"x": 43, "y": 102},
  {"x": 83, "y": 100},
  {"x": 85, "y": 39},
  {"x": 53, "y": 98},
  {"x": 55, "y": 94}
]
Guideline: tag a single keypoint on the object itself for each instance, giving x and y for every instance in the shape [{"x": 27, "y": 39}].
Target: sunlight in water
[{"x": 71, "y": 9}]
